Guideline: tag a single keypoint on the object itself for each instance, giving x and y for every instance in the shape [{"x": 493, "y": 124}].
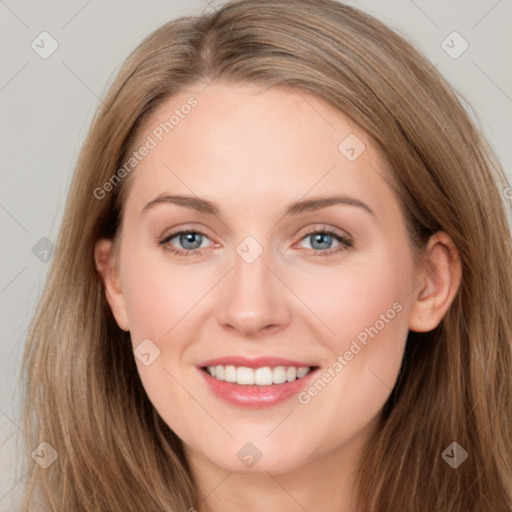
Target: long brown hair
[{"x": 83, "y": 395}]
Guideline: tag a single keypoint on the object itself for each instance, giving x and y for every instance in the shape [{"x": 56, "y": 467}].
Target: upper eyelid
[{"x": 174, "y": 234}]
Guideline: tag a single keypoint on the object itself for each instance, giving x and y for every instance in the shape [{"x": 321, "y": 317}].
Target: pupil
[
  {"x": 321, "y": 238},
  {"x": 188, "y": 238}
]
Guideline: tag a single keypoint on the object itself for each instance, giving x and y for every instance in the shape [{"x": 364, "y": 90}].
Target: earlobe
[
  {"x": 437, "y": 283},
  {"x": 106, "y": 266}
]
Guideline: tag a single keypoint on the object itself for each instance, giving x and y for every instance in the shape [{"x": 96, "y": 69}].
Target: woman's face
[{"x": 297, "y": 256}]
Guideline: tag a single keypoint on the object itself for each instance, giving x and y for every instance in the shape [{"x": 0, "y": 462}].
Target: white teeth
[
  {"x": 302, "y": 371},
  {"x": 230, "y": 373},
  {"x": 265, "y": 376},
  {"x": 291, "y": 373},
  {"x": 244, "y": 375},
  {"x": 279, "y": 375}
]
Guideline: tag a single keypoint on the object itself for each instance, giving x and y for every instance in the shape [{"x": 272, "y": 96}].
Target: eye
[
  {"x": 321, "y": 241},
  {"x": 190, "y": 240}
]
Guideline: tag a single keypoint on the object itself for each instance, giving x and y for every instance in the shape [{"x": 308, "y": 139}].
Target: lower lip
[{"x": 255, "y": 396}]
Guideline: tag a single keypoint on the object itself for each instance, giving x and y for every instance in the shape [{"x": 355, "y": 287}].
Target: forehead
[{"x": 244, "y": 143}]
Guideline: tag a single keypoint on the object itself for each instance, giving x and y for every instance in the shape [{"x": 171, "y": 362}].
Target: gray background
[{"x": 47, "y": 105}]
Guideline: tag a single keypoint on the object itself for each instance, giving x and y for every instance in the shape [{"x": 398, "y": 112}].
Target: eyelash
[{"x": 345, "y": 242}]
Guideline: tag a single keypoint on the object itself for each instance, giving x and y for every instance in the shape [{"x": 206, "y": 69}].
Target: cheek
[
  {"x": 363, "y": 309},
  {"x": 151, "y": 304},
  {"x": 160, "y": 305},
  {"x": 364, "y": 298},
  {"x": 159, "y": 293},
  {"x": 366, "y": 308}
]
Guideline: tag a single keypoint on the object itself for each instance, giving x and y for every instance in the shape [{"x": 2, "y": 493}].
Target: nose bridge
[
  {"x": 253, "y": 299},
  {"x": 250, "y": 273}
]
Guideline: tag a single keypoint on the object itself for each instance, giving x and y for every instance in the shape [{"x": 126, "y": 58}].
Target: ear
[
  {"x": 436, "y": 285},
  {"x": 106, "y": 265}
]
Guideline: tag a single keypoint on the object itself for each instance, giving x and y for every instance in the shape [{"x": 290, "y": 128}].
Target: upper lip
[{"x": 257, "y": 362}]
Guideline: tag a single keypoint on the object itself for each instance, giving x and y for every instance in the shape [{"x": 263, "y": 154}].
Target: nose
[{"x": 255, "y": 301}]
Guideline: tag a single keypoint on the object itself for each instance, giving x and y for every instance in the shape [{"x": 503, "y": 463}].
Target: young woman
[{"x": 283, "y": 282}]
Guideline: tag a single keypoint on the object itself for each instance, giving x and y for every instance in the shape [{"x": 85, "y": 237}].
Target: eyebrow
[{"x": 296, "y": 208}]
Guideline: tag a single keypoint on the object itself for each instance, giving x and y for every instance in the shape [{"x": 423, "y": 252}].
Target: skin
[{"x": 253, "y": 152}]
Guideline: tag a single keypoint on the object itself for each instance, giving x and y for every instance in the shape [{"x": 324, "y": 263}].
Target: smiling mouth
[{"x": 264, "y": 376}]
